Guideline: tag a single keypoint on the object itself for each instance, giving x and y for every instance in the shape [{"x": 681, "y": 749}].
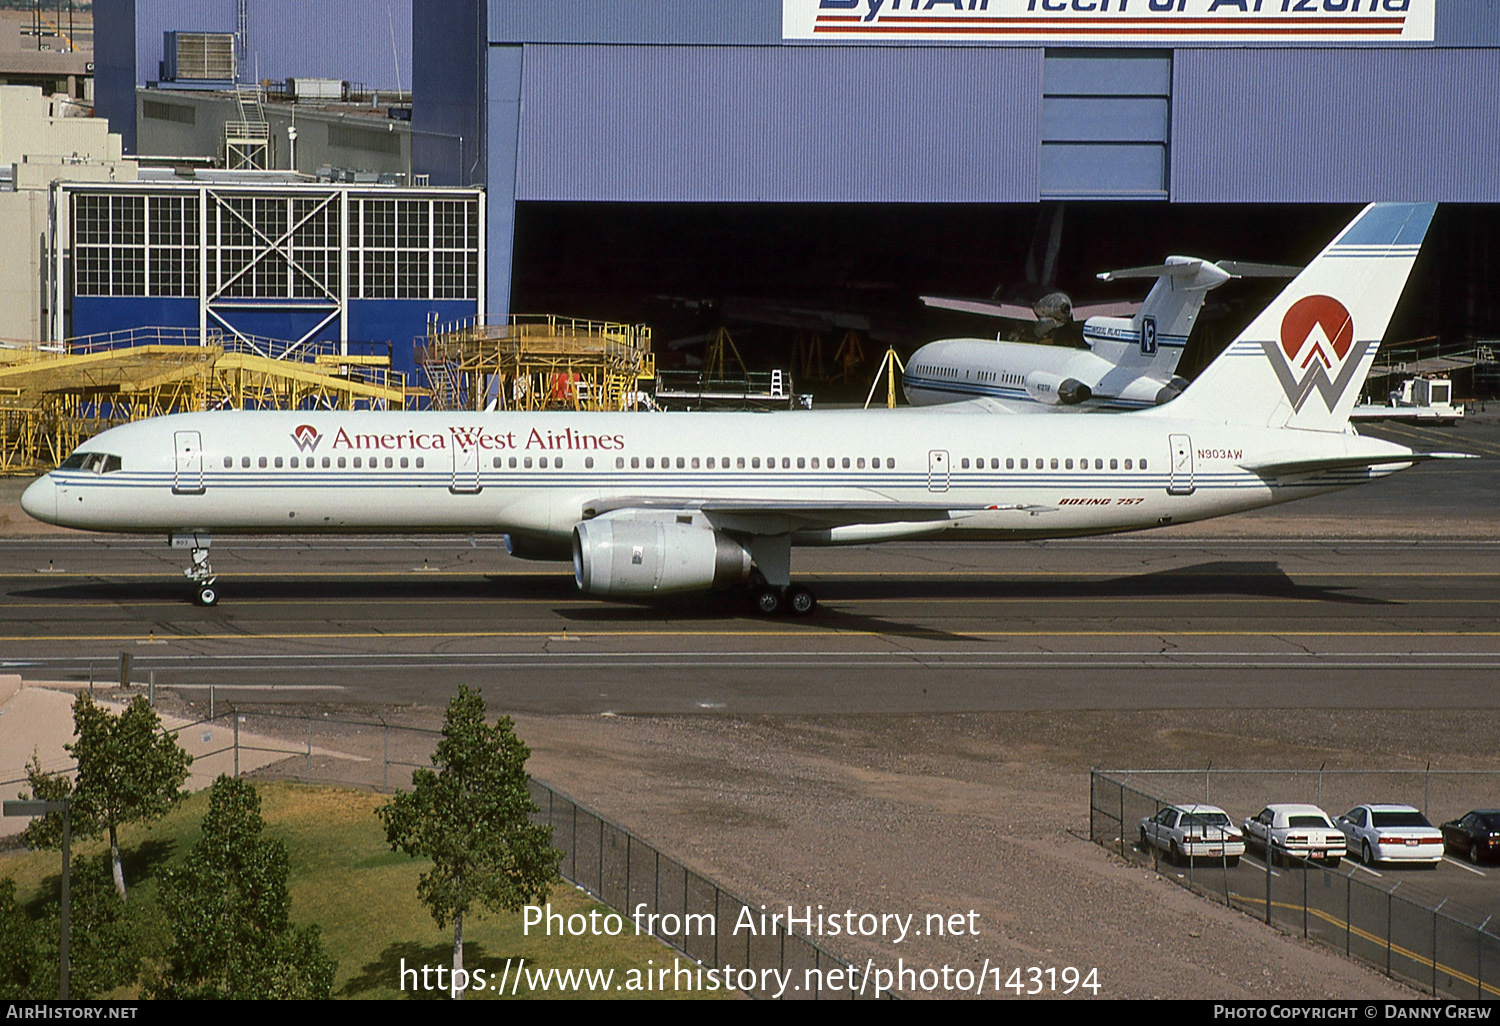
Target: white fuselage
[
  {"x": 538, "y": 475},
  {"x": 1031, "y": 377}
]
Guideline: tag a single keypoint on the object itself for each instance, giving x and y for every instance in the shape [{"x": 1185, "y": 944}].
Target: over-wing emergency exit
[
  {"x": 651, "y": 504},
  {"x": 1129, "y": 363}
]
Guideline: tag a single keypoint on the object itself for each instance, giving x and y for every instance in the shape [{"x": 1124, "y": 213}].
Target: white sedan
[
  {"x": 1186, "y": 832},
  {"x": 1391, "y": 833},
  {"x": 1286, "y": 831}
]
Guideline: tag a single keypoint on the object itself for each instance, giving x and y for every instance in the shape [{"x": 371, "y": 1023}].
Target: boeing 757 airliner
[{"x": 649, "y": 504}]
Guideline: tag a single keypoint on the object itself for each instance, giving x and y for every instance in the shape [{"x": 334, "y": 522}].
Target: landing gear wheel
[
  {"x": 208, "y": 597},
  {"x": 767, "y": 601},
  {"x": 800, "y": 601}
]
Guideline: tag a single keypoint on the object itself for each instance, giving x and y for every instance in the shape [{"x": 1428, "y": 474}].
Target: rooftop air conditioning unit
[{"x": 198, "y": 57}]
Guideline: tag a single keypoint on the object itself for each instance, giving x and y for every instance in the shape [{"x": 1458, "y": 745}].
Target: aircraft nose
[{"x": 39, "y": 500}]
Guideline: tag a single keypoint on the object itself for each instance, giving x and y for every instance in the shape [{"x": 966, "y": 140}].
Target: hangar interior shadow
[{"x": 770, "y": 271}]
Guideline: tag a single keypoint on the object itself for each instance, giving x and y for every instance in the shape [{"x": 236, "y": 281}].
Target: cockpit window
[{"x": 98, "y": 462}]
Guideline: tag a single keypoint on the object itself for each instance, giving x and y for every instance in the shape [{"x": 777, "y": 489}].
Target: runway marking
[
  {"x": 1366, "y": 935},
  {"x": 1463, "y": 866},
  {"x": 1188, "y": 571},
  {"x": 255, "y": 687},
  {"x": 1445, "y": 437},
  {"x": 787, "y": 633},
  {"x": 572, "y": 603}
]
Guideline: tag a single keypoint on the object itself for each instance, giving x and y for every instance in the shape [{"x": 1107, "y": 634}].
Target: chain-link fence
[
  {"x": 681, "y": 908},
  {"x": 1424, "y": 940},
  {"x": 684, "y": 909}
]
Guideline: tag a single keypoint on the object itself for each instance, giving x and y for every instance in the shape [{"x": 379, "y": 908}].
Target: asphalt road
[{"x": 1125, "y": 623}]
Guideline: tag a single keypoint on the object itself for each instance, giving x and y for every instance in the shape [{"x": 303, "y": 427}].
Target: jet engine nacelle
[
  {"x": 1154, "y": 390},
  {"x": 626, "y": 557},
  {"x": 1055, "y": 390}
]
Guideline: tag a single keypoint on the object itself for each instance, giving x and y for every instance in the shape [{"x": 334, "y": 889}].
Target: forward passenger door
[{"x": 187, "y": 477}]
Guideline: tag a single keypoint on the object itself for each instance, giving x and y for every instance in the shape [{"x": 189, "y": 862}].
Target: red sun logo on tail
[
  {"x": 1317, "y": 351},
  {"x": 1321, "y": 326}
]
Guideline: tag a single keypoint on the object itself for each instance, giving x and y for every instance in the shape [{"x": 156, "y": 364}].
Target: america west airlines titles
[{"x": 566, "y": 440}]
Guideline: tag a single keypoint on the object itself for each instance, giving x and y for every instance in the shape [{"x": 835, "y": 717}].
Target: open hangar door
[{"x": 774, "y": 273}]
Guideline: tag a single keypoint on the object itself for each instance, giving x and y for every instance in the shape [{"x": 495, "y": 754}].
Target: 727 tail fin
[{"x": 1302, "y": 362}]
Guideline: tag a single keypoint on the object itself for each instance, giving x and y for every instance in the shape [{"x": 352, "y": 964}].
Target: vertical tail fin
[{"x": 1302, "y": 362}]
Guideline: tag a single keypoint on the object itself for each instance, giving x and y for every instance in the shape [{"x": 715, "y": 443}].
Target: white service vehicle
[
  {"x": 1283, "y": 832},
  {"x": 1185, "y": 832},
  {"x": 1391, "y": 833},
  {"x": 1426, "y": 400}
]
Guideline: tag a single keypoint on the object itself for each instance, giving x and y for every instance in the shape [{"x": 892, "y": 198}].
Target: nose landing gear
[{"x": 201, "y": 573}]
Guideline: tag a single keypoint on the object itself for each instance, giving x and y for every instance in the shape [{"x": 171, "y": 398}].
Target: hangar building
[
  {"x": 850, "y": 152},
  {"x": 818, "y": 164}
]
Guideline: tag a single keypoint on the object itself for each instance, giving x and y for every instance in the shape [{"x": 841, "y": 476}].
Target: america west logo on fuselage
[
  {"x": 1316, "y": 351},
  {"x": 307, "y": 438}
]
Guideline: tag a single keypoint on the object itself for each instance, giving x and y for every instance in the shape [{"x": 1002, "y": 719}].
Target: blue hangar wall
[{"x": 694, "y": 101}]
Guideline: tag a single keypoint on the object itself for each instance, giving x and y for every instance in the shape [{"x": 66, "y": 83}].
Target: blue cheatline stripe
[
  {"x": 913, "y": 482},
  {"x": 1010, "y": 394}
]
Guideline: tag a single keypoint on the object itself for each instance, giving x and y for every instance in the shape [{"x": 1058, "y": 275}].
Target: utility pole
[{"x": 41, "y": 808}]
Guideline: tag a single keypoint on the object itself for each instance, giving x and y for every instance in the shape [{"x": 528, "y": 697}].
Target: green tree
[
  {"x": 26, "y": 971},
  {"x": 106, "y": 938},
  {"x": 472, "y": 818},
  {"x": 128, "y": 771},
  {"x": 230, "y": 913}
]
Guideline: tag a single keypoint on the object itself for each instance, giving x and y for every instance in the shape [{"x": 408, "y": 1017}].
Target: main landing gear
[
  {"x": 771, "y": 587},
  {"x": 795, "y": 600}
]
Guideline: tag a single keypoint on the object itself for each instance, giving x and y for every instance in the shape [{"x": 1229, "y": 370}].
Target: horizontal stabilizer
[
  {"x": 1312, "y": 466},
  {"x": 1187, "y": 267},
  {"x": 1026, "y": 314}
]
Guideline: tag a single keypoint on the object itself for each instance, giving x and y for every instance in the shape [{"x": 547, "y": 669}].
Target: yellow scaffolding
[
  {"x": 537, "y": 362},
  {"x": 52, "y": 397}
]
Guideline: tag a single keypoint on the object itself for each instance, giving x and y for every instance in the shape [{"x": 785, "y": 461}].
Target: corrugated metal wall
[
  {"x": 639, "y": 21},
  {"x": 784, "y": 124},
  {"x": 1467, "y": 23},
  {"x": 1335, "y": 126}
]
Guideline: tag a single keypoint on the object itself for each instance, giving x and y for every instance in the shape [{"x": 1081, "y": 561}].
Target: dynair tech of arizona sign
[{"x": 1134, "y": 21}]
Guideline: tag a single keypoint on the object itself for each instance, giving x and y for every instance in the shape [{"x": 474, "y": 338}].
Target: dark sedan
[{"x": 1474, "y": 835}]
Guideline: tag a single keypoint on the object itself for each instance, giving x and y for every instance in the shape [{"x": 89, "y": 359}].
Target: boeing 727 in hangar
[
  {"x": 649, "y": 504},
  {"x": 1128, "y": 363}
]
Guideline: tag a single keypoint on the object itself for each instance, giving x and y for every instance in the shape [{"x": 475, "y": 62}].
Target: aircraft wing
[
  {"x": 776, "y": 517},
  {"x": 1312, "y": 466},
  {"x": 989, "y": 404}
]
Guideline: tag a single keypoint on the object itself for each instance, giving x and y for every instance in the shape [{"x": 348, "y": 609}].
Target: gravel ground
[{"x": 956, "y": 813}]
